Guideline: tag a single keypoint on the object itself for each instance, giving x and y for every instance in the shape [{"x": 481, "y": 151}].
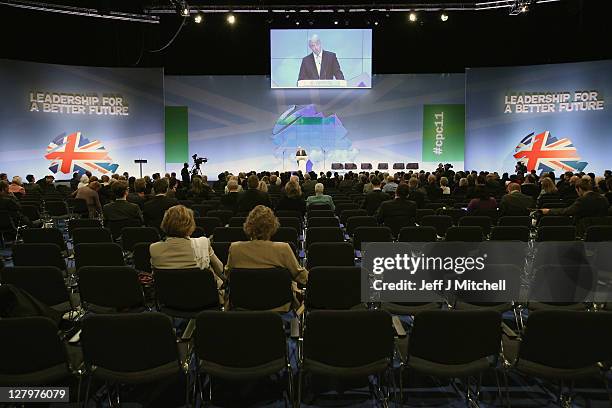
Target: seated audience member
[
  {"x": 444, "y": 186},
  {"x": 236, "y": 179},
  {"x": 346, "y": 184},
  {"x": 138, "y": 196},
  {"x": 197, "y": 192},
  {"x": 47, "y": 185},
  {"x": 609, "y": 187},
  {"x": 252, "y": 197},
  {"x": 121, "y": 209},
  {"x": 375, "y": 197},
  {"x": 262, "y": 186},
  {"x": 229, "y": 201},
  {"x": 529, "y": 187},
  {"x": 261, "y": 253},
  {"x": 390, "y": 186},
  {"x": 274, "y": 186},
  {"x": 433, "y": 191},
  {"x": 568, "y": 190},
  {"x": 515, "y": 202},
  {"x": 320, "y": 198},
  {"x": 155, "y": 208},
  {"x": 308, "y": 185},
  {"x": 83, "y": 182},
  {"x": 179, "y": 251},
  {"x": 414, "y": 193},
  {"x": 292, "y": 199},
  {"x": 31, "y": 187},
  {"x": 90, "y": 194},
  {"x": 548, "y": 190},
  {"x": 74, "y": 181},
  {"x": 398, "y": 207},
  {"x": 588, "y": 203},
  {"x": 9, "y": 203},
  {"x": 482, "y": 200},
  {"x": 16, "y": 187}
]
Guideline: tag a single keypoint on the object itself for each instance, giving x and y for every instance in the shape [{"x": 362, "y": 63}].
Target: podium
[
  {"x": 301, "y": 162},
  {"x": 322, "y": 83}
]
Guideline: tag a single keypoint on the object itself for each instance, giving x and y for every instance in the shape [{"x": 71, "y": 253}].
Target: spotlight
[
  {"x": 198, "y": 18},
  {"x": 376, "y": 23},
  {"x": 444, "y": 17},
  {"x": 335, "y": 22},
  {"x": 231, "y": 19},
  {"x": 183, "y": 8},
  {"x": 297, "y": 22},
  {"x": 412, "y": 17}
]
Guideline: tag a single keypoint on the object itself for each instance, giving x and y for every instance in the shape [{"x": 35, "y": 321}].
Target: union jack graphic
[
  {"x": 75, "y": 153},
  {"x": 545, "y": 153}
]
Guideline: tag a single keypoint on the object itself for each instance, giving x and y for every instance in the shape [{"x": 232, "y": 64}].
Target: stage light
[
  {"x": 231, "y": 19},
  {"x": 335, "y": 22},
  {"x": 297, "y": 23},
  {"x": 183, "y": 8},
  {"x": 444, "y": 17},
  {"x": 412, "y": 17},
  {"x": 376, "y": 23},
  {"x": 198, "y": 18}
]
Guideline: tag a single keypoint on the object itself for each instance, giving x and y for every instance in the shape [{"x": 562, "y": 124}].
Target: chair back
[
  {"x": 98, "y": 254},
  {"x": 91, "y": 235},
  {"x": 330, "y": 254},
  {"x": 185, "y": 291},
  {"x": 45, "y": 283},
  {"x": 333, "y": 288},
  {"x": 259, "y": 289},
  {"x": 115, "y": 288},
  {"x": 132, "y": 235},
  {"x": 38, "y": 255}
]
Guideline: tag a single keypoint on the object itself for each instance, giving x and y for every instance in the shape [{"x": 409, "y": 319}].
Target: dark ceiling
[{"x": 569, "y": 30}]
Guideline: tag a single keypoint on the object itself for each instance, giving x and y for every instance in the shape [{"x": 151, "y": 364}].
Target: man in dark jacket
[
  {"x": 515, "y": 202},
  {"x": 375, "y": 197},
  {"x": 121, "y": 209},
  {"x": 588, "y": 203},
  {"x": 399, "y": 207},
  {"x": 156, "y": 207},
  {"x": 252, "y": 197},
  {"x": 415, "y": 194}
]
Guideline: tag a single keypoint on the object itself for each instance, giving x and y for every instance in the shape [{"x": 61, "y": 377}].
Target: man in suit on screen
[{"x": 319, "y": 64}]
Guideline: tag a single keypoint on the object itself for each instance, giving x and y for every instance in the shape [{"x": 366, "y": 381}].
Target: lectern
[{"x": 140, "y": 162}]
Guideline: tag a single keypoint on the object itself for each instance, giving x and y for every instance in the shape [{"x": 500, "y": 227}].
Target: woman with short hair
[
  {"x": 179, "y": 251},
  {"x": 292, "y": 199},
  {"x": 16, "y": 186},
  {"x": 548, "y": 190},
  {"x": 262, "y": 253}
]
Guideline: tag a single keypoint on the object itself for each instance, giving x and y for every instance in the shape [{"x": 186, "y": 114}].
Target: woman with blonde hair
[
  {"x": 262, "y": 186},
  {"x": 16, "y": 186},
  {"x": 179, "y": 251},
  {"x": 548, "y": 190},
  {"x": 261, "y": 253}
]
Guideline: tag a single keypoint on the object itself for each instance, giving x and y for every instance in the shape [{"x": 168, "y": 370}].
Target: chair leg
[
  {"x": 298, "y": 397},
  {"x": 605, "y": 381},
  {"x": 87, "y": 392}
]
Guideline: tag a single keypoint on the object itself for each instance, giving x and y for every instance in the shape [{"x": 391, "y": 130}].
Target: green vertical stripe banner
[
  {"x": 177, "y": 134},
  {"x": 443, "y": 133}
]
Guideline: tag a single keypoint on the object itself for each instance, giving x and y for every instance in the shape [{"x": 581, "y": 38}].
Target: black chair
[
  {"x": 371, "y": 234},
  {"x": 198, "y": 232},
  {"x": 492, "y": 213},
  {"x": 327, "y": 355},
  {"x": 554, "y": 220},
  {"x": 562, "y": 286},
  {"x": 218, "y": 356},
  {"x": 440, "y": 222},
  {"x": 110, "y": 289},
  {"x": 556, "y": 233},
  {"x": 476, "y": 346},
  {"x": 208, "y": 224},
  {"x": 510, "y": 233},
  {"x": 455, "y": 213},
  {"x": 561, "y": 253},
  {"x": 38, "y": 255},
  {"x": 260, "y": 289},
  {"x": 229, "y": 234},
  {"x": 598, "y": 233},
  {"x": 221, "y": 249},
  {"x": 323, "y": 222},
  {"x": 434, "y": 206},
  {"x": 45, "y": 283},
  {"x": 98, "y": 254},
  {"x": 417, "y": 234},
  {"x": 317, "y": 212},
  {"x": 77, "y": 206},
  {"x": 323, "y": 234},
  {"x": 551, "y": 350},
  {"x": 132, "y": 235},
  {"x": 288, "y": 213},
  {"x": 56, "y": 209},
  {"x": 185, "y": 292},
  {"x": 131, "y": 348},
  {"x": 292, "y": 222},
  {"x": 346, "y": 214},
  {"x": 44, "y": 235},
  {"x": 482, "y": 221},
  {"x": 286, "y": 234},
  {"x": 32, "y": 353},
  {"x": 142, "y": 256},
  {"x": 359, "y": 221},
  {"x": 397, "y": 223},
  {"x": 117, "y": 227},
  {"x": 223, "y": 215},
  {"x": 514, "y": 221},
  {"x": 330, "y": 254},
  {"x": 423, "y": 212},
  {"x": 82, "y": 223},
  {"x": 464, "y": 233},
  {"x": 340, "y": 206},
  {"x": 91, "y": 235},
  {"x": 333, "y": 288},
  {"x": 236, "y": 222},
  {"x": 31, "y": 212}
]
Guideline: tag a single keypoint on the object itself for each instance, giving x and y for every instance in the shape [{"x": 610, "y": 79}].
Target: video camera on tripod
[{"x": 197, "y": 162}]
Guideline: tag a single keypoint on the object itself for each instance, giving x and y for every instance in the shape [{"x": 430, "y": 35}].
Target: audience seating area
[{"x": 126, "y": 326}]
